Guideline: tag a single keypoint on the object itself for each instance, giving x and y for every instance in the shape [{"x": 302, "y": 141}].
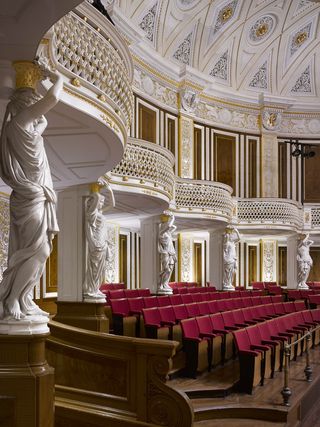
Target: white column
[
  {"x": 216, "y": 257},
  {"x": 149, "y": 253},
  {"x": 71, "y": 243},
  {"x": 292, "y": 279}
]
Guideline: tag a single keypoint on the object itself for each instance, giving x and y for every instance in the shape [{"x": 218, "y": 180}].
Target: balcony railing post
[
  {"x": 286, "y": 392},
  {"x": 308, "y": 369}
]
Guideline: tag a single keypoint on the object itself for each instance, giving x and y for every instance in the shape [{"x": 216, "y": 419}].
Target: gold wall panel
[
  {"x": 314, "y": 275},
  {"x": 123, "y": 264},
  {"x": 225, "y": 159},
  {"x": 282, "y": 265},
  {"x": 147, "y": 124},
  {"x": 283, "y": 191},
  {"x": 197, "y": 260},
  {"x": 171, "y": 135},
  {"x": 252, "y": 263},
  {"x": 252, "y": 168},
  {"x": 197, "y": 153},
  {"x": 311, "y": 183}
]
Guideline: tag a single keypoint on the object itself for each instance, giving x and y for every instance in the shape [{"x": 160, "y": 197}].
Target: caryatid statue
[
  {"x": 24, "y": 167},
  {"x": 304, "y": 260},
  {"x": 230, "y": 261},
  {"x": 167, "y": 251},
  {"x": 97, "y": 235}
]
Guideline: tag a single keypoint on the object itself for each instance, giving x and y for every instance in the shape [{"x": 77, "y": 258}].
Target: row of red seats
[
  {"x": 126, "y": 293},
  {"x": 111, "y": 286},
  {"x": 294, "y": 294},
  {"x": 183, "y": 284},
  {"x": 260, "y": 348},
  {"x": 263, "y": 285},
  {"x": 191, "y": 290},
  {"x": 129, "y": 306},
  {"x": 197, "y": 330}
]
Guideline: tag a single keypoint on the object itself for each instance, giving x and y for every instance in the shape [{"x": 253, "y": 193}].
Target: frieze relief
[
  {"x": 225, "y": 115},
  {"x": 153, "y": 88}
]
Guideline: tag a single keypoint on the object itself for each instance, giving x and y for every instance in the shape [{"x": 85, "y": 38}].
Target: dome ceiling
[{"x": 243, "y": 46}]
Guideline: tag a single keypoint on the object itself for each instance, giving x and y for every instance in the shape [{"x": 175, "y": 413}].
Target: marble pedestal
[
  {"x": 86, "y": 315},
  {"x": 26, "y": 381}
]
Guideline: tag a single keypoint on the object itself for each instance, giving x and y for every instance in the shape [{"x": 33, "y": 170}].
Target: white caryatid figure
[
  {"x": 97, "y": 236},
  {"x": 230, "y": 261},
  {"x": 167, "y": 252},
  {"x": 24, "y": 167},
  {"x": 304, "y": 260}
]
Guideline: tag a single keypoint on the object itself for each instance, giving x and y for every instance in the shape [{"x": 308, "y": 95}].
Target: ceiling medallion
[
  {"x": 301, "y": 38},
  {"x": 226, "y": 13},
  {"x": 261, "y": 28}
]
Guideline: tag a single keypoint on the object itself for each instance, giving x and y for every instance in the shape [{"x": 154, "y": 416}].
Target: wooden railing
[{"x": 119, "y": 379}]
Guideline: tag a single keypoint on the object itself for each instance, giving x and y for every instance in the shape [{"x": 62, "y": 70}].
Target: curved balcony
[
  {"x": 97, "y": 99},
  {"x": 206, "y": 199},
  {"x": 269, "y": 214},
  {"x": 145, "y": 168}
]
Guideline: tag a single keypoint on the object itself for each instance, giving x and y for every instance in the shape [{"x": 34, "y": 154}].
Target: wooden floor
[{"x": 215, "y": 401}]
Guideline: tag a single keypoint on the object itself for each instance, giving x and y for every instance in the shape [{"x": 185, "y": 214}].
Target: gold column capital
[{"x": 27, "y": 74}]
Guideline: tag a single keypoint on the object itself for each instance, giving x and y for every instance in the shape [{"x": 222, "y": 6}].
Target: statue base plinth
[
  {"x": 164, "y": 292},
  {"x": 29, "y": 325},
  {"x": 100, "y": 300},
  {"x": 27, "y": 381},
  {"x": 87, "y": 315},
  {"x": 303, "y": 287},
  {"x": 228, "y": 288}
]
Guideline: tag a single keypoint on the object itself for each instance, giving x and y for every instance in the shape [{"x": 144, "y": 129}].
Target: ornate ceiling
[{"x": 243, "y": 47}]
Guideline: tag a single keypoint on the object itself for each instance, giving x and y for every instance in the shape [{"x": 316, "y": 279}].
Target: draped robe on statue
[
  {"x": 98, "y": 248},
  {"x": 33, "y": 223}
]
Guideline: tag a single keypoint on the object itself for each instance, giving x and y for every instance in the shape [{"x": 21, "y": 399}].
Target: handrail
[{"x": 286, "y": 391}]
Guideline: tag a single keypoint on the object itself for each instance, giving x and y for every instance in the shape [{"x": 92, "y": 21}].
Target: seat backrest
[
  {"x": 299, "y": 305},
  {"x": 257, "y": 285},
  {"x": 163, "y": 301},
  {"x": 314, "y": 299},
  {"x": 221, "y": 305},
  {"x": 196, "y": 297},
  {"x": 217, "y": 321},
  {"x": 167, "y": 314},
  {"x": 204, "y": 324},
  {"x": 190, "y": 328},
  {"x": 256, "y": 300},
  {"x": 228, "y": 318},
  {"x": 136, "y": 304},
  {"x": 238, "y": 316},
  {"x": 203, "y": 308},
  {"x": 175, "y": 299},
  {"x": 116, "y": 294},
  {"x": 151, "y": 316},
  {"x": 150, "y": 302},
  {"x": 180, "y": 311},
  {"x": 264, "y": 330},
  {"x": 289, "y": 307},
  {"x": 266, "y": 299},
  {"x": 276, "y": 298},
  {"x": 187, "y": 299},
  {"x": 192, "y": 309},
  {"x": 131, "y": 293},
  {"x": 242, "y": 340},
  {"x": 247, "y": 301},
  {"x": 293, "y": 294},
  {"x": 144, "y": 292},
  {"x": 254, "y": 335},
  {"x": 212, "y": 307},
  {"x": 120, "y": 306},
  {"x": 315, "y": 314}
]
